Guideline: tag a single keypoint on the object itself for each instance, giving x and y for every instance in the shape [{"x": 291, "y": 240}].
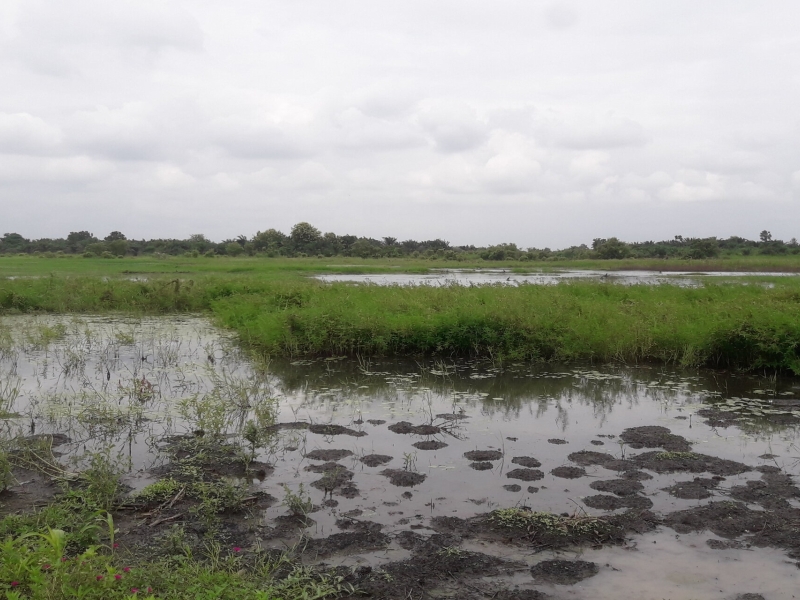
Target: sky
[{"x": 543, "y": 123}]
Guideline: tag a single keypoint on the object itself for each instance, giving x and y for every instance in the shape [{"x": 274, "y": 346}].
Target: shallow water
[
  {"x": 441, "y": 277},
  {"x": 128, "y": 383}
]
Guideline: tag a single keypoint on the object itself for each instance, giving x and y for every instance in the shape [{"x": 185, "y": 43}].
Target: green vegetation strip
[{"x": 281, "y": 311}]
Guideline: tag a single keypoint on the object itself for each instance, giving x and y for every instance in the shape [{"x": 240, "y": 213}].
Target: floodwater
[
  {"x": 127, "y": 383},
  {"x": 441, "y": 277}
]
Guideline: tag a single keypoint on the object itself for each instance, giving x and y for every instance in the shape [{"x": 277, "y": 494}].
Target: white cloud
[
  {"x": 453, "y": 126},
  {"x": 21, "y": 133}
]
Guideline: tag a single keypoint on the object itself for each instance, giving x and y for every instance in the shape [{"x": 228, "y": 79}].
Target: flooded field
[
  {"x": 445, "y": 479},
  {"x": 506, "y": 277}
]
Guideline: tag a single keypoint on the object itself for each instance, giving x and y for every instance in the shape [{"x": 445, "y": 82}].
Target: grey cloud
[
  {"x": 454, "y": 126},
  {"x": 585, "y": 134},
  {"x": 22, "y": 133},
  {"x": 561, "y": 16}
]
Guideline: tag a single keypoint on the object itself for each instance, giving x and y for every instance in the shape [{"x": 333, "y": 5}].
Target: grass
[{"x": 278, "y": 310}]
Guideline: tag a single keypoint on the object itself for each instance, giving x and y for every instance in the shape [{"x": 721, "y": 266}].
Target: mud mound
[
  {"x": 607, "y": 502},
  {"x": 772, "y": 492},
  {"x": 481, "y": 466},
  {"x": 483, "y": 455},
  {"x": 586, "y": 458},
  {"x": 697, "y": 489},
  {"x": 618, "y": 487},
  {"x": 336, "y": 477},
  {"x": 512, "y": 487},
  {"x": 725, "y": 545},
  {"x": 335, "y": 430},
  {"x": 376, "y": 421},
  {"x": 654, "y": 436},
  {"x": 557, "y": 441},
  {"x": 522, "y": 595},
  {"x": 525, "y": 474},
  {"x": 670, "y": 462},
  {"x": 636, "y": 475},
  {"x": 292, "y": 425},
  {"x": 751, "y": 596},
  {"x": 325, "y": 467},
  {"x": 568, "y": 472},
  {"x": 333, "y": 455},
  {"x": 407, "y": 428},
  {"x": 429, "y": 445},
  {"x": 376, "y": 460},
  {"x": 526, "y": 461},
  {"x": 363, "y": 537},
  {"x": 564, "y": 572},
  {"x": 402, "y": 478},
  {"x": 532, "y": 489},
  {"x": 597, "y": 443}
]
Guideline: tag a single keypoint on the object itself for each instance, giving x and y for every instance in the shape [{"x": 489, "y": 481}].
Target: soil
[
  {"x": 697, "y": 489},
  {"x": 666, "y": 462},
  {"x": 407, "y": 428},
  {"x": 532, "y": 489},
  {"x": 293, "y": 425},
  {"x": 402, "y": 478},
  {"x": 636, "y": 475},
  {"x": 335, "y": 430},
  {"x": 481, "y": 466},
  {"x": 597, "y": 443},
  {"x": 568, "y": 472},
  {"x": 483, "y": 455},
  {"x": 429, "y": 445},
  {"x": 361, "y": 536},
  {"x": 586, "y": 458},
  {"x": 525, "y": 474},
  {"x": 325, "y": 467},
  {"x": 557, "y": 441},
  {"x": 522, "y": 595},
  {"x": 526, "y": 461},
  {"x": 335, "y": 477},
  {"x": 328, "y": 454},
  {"x": 772, "y": 492},
  {"x": 564, "y": 572},
  {"x": 513, "y": 487},
  {"x": 376, "y": 421},
  {"x": 376, "y": 460},
  {"x": 618, "y": 487},
  {"x": 608, "y": 502},
  {"x": 654, "y": 436}
]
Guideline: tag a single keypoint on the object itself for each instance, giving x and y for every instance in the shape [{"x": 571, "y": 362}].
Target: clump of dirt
[
  {"x": 406, "y": 428},
  {"x": 654, "y": 436},
  {"x": 526, "y": 461},
  {"x": 532, "y": 489},
  {"x": 402, "y": 478},
  {"x": 376, "y": 460},
  {"x": 525, "y": 474},
  {"x": 618, "y": 487},
  {"x": 329, "y": 429},
  {"x": 597, "y": 443},
  {"x": 293, "y": 425},
  {"x": 329, "y": 455},
  {"x": 450, "y": 416},
  {"x": 324, "y": 468},
  {"x": 726, "y": 545},
  {"x": 568, "y": 472},
  {"x": 522, "y": 595},
  {"x": 564, "y": 572},
  {"x": 376, "y": 421},
  {"x": 670, "y": 462},
  {"x": 361, "y": 536},
  {"x": 772, "y": 492},
  {"x": 334, "y": 477},
  {"x": 636, "y": 475},
  {"x": 749, "y": 596},
  {"x": 557, "y": 441},
  {"x": 608, "y": 502},
  {"x": 586, "y": 458},
  {"x": 483, "y": 455},
  {"x": 429, "y": 445},
  {"x": 697, "y": 489},
  {"x": 481, "y": 466},
  {"x": 513, "y": 487}
]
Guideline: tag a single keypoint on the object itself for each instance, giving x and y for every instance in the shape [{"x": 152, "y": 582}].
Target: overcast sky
[{"x": 540, "y": 123}]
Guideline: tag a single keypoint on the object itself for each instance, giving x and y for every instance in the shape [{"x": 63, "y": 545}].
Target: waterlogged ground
[
  {"x": 671, "y": 484},
  {"x": 439, "y": 277}
]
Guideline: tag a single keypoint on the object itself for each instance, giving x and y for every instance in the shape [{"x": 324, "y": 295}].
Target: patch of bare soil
[
  {"x": 481, "y": 466},
  {"x": 655, "y": 436},
  {"x": 526, "y": 461},
  {"x": 587, "y": 458},
  {"x": 376, "y": 460},
  {"x": 293, "y": 425},
  {"x": 525, "y": 474},
  {"x": 697, "y": 489},
  {"x": 331, "y": 454},
  {"x": 568, "y": 472},
  {"x": 429, "y": 445},
  {"x": 402, "y": 478},
  {"x": 335, "y": 478},
  {"x": 773, "y": 491},
  {"x": 335, "y": 430},
  {"x": 361, "y": 536},
  {"x": 376, "y": 421},
  {"x": 407, "y": 428},
  {"x": 564, "y": 572},
  {"x": 513, "y": 487},
  {"x": 690, "y": 462},
  {"x": 608, "y": 502},
  {"x": 483, "y": 455},
  {"x": 618, "y": 487},
  {"x": 557, "y": 441}
]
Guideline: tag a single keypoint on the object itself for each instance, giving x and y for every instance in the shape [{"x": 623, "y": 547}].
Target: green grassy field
[{"x": 278, "y": 309}]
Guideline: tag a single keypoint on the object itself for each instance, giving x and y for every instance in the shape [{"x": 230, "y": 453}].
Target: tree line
[{"x": 306, "y": 240}]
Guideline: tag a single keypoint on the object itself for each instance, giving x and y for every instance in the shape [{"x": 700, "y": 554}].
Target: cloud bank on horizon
[{"x": 541, "y": 123}]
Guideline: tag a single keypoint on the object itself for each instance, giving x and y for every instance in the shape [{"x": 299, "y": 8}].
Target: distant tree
[
  {"x": 13, "y": 242},
  {"x": 114, "y": 236},
  {"x": 270, "y": 241},
  {"x": 241, "y": 240},
  {"x": 78, "y": 240},
  {"x": 117, "y": 247},
  {"x": 612, "y": 248},
  {"x": 765, "y": 236},
  {"x": 304, "y": 234},
  {"x": 703, "y": 248},
  {"x": 390, "y": 241},
  {"x": 233, "y": 249}
]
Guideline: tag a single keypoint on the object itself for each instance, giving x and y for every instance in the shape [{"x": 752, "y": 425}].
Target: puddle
[
  {"x": 443, "y": 277},
  {"x": 394, "y": 445}
]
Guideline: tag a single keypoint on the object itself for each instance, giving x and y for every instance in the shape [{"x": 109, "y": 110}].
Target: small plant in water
[
  {"x": 299, "y": 503},
  {"x": 676, "y": 456},
  {"x": 410, "y": 461}
]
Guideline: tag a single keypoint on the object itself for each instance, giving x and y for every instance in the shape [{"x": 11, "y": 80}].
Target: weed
[
  {"x": 299, "y": 503},
  {"x": 548, "y": 524},
  {"x": 676, "y": 456}
]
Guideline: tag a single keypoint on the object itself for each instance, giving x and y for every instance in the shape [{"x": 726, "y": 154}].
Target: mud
[
  {"x": 568, "y": 472},
  {"x": 587, "y": 458},
  {"x": 483, "y": 455},
  {"x": 481, "y": 466},
  {"x": 362, "y": 536},
  {"x": 525, "y": 474},
  {"x": 564, "y": 572},
  {"x": 653, "y": 436},
  {"x": 689, "y": 462},
  {"x": 376, "y": 460},
  {"x": 335, "y": 430},
  {"x": 557, "y": 441},
  {"x": 697, "y": 489},
  {"x": 513, "y": 487},
  {"x": 335, "y": 479},
  {"x": 403, "y": 478},
  {"x": 405, "y": 427},
  {"x": 618, "y": 487},
  {"x": 328, "y": 455},
  {"x": 608, "y": 502},
  {"x": 429, "y": 445},
  {"x": 526, "y": 461}
]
